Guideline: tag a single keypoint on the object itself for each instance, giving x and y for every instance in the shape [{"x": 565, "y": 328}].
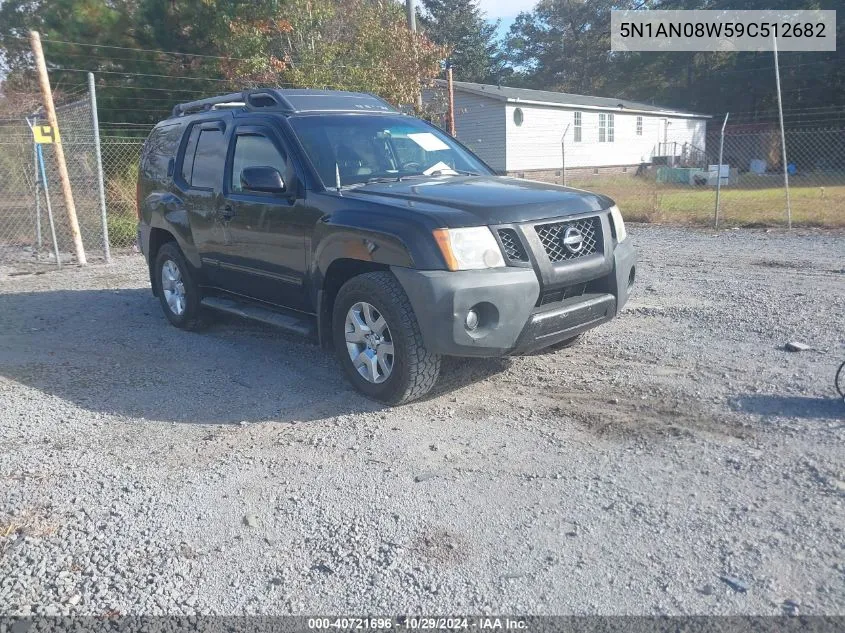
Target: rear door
[
  {"x": 199, "y": 176},
  {"x": 265, "y": 254}
]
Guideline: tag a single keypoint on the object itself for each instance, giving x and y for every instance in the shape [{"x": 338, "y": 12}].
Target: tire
[
  {"x": 189, "y": 318},
  {"x": 412, "y": 369}
]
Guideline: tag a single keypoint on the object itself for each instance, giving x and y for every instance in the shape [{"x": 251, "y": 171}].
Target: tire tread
[{"x": 423, "y": 365}]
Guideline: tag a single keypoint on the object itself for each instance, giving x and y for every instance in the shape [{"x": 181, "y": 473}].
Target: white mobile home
[{"x": 531, "y": 133}]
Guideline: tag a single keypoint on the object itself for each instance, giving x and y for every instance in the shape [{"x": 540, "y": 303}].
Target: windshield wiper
[
  {"x": 371, "y": 181},
  {"x": 387, "y": 179},
  {"x": 444, "y": 172},
  {"x": 453, "y": 172}
]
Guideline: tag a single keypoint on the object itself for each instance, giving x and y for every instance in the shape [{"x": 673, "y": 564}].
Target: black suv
[{"x": 333, "y": 215}]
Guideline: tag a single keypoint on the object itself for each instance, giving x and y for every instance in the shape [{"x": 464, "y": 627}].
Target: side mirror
[{"x": 262, "y": 179}]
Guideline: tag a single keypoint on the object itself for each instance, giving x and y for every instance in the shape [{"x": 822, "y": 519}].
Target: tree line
[{"x": 213, "y": 46}]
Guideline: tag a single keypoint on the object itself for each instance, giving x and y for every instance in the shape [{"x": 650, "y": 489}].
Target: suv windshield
[{"x": 369, "y": 148}]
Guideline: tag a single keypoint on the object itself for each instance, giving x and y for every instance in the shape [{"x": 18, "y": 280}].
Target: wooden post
[
  {"x": 412, "y": 26},
  {"x": 451, "y": 89},
  {"x": 67, "y": 192}
]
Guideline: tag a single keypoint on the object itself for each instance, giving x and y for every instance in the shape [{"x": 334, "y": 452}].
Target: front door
[{"x": 264, "y": 255}]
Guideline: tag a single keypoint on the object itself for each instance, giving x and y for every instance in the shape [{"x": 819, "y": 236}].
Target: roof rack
[
  {"x": 289, "y": 100},
  {"x": 206, "y": 104}
]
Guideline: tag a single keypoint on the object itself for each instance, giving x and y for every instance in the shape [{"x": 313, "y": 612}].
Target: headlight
[
  {"x": 468, "y": 249},
  {"x": 618, "y": 223}
]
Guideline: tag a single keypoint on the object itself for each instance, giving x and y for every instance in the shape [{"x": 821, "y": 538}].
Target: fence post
[
  {"x": 49, "y": 206},
  {"x": 782, "y": 133},
  {"x": 38, "y": 240},
  {"x": 95, "y": 121},
  {"x": 563, "y": 156},
  {"x": 719, "y": 173}
]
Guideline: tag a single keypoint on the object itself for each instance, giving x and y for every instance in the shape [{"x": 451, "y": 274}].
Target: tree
[
  {"x": 564, "y": 45},
  {"x": 350, "y": 45},
  {"x": 460, "y": 25},
  {"x": 214, "y": 46}
]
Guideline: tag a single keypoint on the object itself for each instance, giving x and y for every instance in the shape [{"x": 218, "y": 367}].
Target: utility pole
[
  {"x": 451, "y": 88},
  {"x": 50, "y": 108},
  {"x": 412, "y": 27},
  {"x": 412, "y": 16},
  {"x": 782, "y": 134}
]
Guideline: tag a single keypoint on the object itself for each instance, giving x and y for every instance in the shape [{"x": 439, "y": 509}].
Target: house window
[
  {"x": 576, "y": 129},
  {"x": 518, "y": 117},
  {"x": 639, "y": 126},
  {"x": 605, "y": 128}
]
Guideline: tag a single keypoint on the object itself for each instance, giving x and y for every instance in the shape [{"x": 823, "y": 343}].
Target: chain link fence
[
  {"x": 660, "y": 168},
  {"x": 655, "y": 173},
  {"x": 34, "y": 226},
  {"x": 677, "y": 182},
  {"x": 18, "y": 216}
]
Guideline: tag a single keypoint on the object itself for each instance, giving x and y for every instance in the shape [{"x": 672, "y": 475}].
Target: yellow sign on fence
[{"x": 45, "y": 135}]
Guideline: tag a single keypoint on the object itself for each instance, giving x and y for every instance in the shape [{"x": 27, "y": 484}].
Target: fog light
[{"x": 472, "y": 320}]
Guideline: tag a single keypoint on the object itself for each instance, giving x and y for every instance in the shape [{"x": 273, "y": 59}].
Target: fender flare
[{"x": 366, "y": 248}]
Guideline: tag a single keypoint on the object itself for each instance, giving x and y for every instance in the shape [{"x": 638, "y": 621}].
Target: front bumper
[{"x": 510, "y": 321}]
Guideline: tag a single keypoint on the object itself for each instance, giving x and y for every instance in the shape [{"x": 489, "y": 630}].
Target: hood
[{"x": 473, "y": 200}]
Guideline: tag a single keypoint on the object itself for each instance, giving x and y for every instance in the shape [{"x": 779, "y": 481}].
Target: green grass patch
[
  {"x": 122, "y": 230},
  {"x": 754, "y": 201}
]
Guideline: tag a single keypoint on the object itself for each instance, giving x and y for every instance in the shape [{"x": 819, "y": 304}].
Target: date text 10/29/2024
[{"x": 419, "y": 623}]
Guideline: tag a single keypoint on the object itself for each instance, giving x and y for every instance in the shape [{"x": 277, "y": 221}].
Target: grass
[
  {"x": 122, "y": 229},
  {"x": 754, "y": 201}
]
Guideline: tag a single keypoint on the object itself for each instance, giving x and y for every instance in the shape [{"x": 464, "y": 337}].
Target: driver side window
[{"x": 255, "y": 150}]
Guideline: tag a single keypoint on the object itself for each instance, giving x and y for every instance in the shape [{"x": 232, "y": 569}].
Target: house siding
[
  {"x": 536, "y": 144},
  {"x": 480, "y": 125}
]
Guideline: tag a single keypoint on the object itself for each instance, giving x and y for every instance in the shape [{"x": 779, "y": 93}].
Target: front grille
[
  {"x": 514, "y": 250},
  {"x": 552, "y": 236}
]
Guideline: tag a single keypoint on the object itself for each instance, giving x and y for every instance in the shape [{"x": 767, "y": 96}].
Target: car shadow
[
  {"x": 113, "y": 352},
  {"x": 790, "y": 406}
]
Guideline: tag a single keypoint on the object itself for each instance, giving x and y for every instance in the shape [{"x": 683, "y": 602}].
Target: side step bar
[{"x": 288, "y": 321}]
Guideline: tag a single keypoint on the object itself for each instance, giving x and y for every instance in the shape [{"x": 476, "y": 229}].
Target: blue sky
[{"x": 505, "y": 10}]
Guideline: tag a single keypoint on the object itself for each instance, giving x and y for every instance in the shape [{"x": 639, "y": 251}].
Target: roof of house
[{"x": 563, "y": 99}]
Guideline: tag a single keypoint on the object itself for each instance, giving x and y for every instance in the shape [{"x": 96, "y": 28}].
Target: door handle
[{"x": 228, "y": 212}]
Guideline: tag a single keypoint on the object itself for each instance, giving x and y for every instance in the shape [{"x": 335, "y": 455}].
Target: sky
[{"x": 505, "y": 10}]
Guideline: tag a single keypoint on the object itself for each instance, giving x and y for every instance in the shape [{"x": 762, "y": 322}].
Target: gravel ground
[{"x": 677, "y": 461}]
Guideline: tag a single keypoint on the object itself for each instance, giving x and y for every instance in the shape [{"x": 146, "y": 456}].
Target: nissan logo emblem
[{"x": 573, "y": 240}]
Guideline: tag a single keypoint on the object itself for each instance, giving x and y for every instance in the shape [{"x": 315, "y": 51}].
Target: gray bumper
[
  {"x": 624, "y": 271},
  {"x": 505, "y": 300},
  {"x": 441, "y": 300}
]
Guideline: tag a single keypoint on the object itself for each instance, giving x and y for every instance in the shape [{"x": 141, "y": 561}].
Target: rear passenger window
[
  {"x": 208, "y": 160},
  {"x": 205, "y": 156},
  {"x": 190, "y": 150},
  {"x": 255, "y": 150},
  {"x": 159, "y": 149}
]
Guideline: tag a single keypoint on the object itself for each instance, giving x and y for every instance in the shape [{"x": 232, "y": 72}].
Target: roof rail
[
  {"x": 289, "y": 100},
  {"x": 207, "y": 104}
]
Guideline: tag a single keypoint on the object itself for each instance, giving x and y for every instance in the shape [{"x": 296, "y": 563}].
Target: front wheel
[{"x": 378, "y": 340}]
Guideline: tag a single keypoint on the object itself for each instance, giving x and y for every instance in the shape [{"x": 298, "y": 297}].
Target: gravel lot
[{"x": 677, "y": 461}]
